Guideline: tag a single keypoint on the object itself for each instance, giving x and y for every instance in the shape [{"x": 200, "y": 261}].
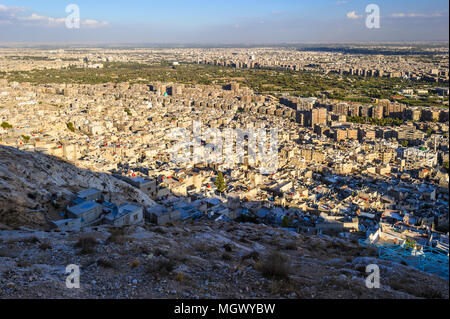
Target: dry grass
[
  {"x": 316, "y": 245},
  {"x": 135, "y": 263},
  {"x": 45, "y": 245},
  {"x": 180, "y": 277},
  {"x": 336, "y": 283},
  {"x": 275, "y": 266},
  {"x": 160, "y": 267},
  {"x": 176, "y": 254},
  {"x": 203, "y": 247},
  {"x": 105, "y": 263},
  {"x": 285, "y": 288},
  {"x": 253, "y": 255},
  {"x": 409, "y": 286},
  {"x": 227, "y": 257},
  {"x": 118, "y": 236},
  {"x": 23, "y": 263},
  {"x": 159, "y": 230},
  {"x": 291, "y": 245},
  {"x": 87, "y": 244},
  {"x": 31, "y": 240},
  {"x": 145, "y": 250},
  {"x": 8, "y": 252},
  {"x": 160, "y": 252}
]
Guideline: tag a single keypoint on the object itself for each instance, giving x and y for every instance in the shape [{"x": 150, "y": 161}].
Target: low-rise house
[
  {"x": 162, "y": 215},
  {"x": 220, "y": 210},
  {"x": 149, "y": 187},
  {"x": 89, "y": 212},
  {"x": 73, "y": 224},
  {"x": 91, "y": 194},
  {"x": 126, "y": 214}
]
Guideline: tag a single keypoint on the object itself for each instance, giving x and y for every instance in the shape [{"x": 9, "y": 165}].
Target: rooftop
[{"x": 83, "y": 207}]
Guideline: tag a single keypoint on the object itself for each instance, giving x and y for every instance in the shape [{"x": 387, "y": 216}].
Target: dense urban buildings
[
  {"x": 362, "y": 169},
  {"x": 369, "y": 151}
]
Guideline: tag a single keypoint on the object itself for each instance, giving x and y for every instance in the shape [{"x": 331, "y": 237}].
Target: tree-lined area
[{"x": 266, "y": 81}]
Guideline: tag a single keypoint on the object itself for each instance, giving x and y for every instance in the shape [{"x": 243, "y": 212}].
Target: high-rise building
[
  {"x": 377, "y": 112},
  {"x": 340, "y": 108},
  {"x": 395, "y": 110},
  {"x": 318, "y": 116},
  {"x": 354, "y": 110},
  {"x": 365, "y": 111},
  {"x": 340, "y": 134},
  {"x": 385, "y": 104},
  {"x": 352, "y": 134}
]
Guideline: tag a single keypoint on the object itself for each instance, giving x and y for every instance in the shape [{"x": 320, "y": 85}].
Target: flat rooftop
[
  {"x": 83, "y": 207},
  {"x": 88, "y": 192}
]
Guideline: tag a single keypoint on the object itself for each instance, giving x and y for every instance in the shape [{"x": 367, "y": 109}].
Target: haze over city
[{"x": 227, "y": 22}]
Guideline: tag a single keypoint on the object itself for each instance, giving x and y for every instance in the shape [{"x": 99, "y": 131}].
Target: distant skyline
[{"x": 226, "y": 22}]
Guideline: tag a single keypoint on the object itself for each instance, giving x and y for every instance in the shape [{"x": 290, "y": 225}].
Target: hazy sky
[{"x": 225, "y": 21}]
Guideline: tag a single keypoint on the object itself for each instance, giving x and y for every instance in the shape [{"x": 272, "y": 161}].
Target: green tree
[
  {"x": 220, "y": 183},
  {"x": 70, "y": 126},
  {"x": 26, "y": 138},
  {"x": 6, "y": 125}
]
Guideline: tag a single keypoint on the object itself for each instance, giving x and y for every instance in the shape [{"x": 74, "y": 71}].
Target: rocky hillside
[
  {"x": 31, "y": 182},
  {"x": 192, "y": 260},
  {"x": 182, "y": 260}
]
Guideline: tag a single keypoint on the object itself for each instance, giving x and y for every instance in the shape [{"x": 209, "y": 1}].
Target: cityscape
[{"x": 210, "y": 169}]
